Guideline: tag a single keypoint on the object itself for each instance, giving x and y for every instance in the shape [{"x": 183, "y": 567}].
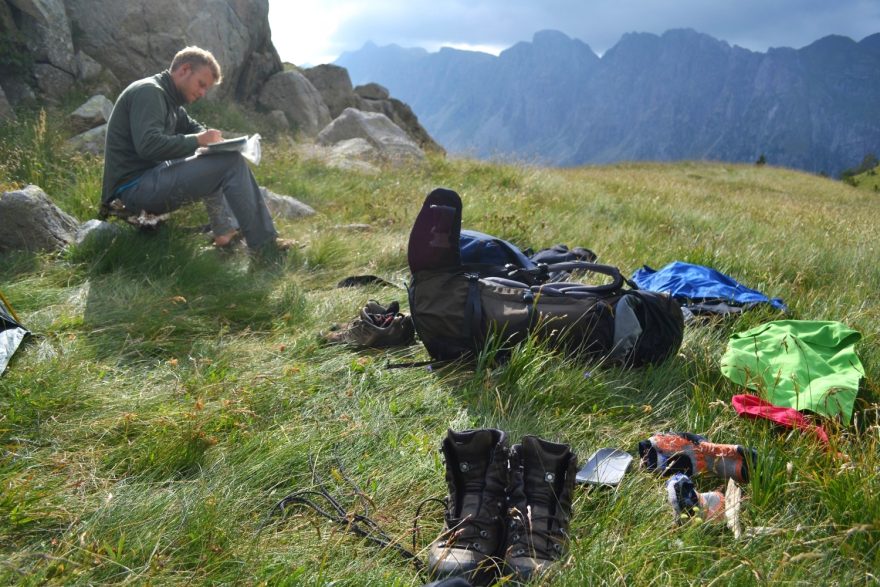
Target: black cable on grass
[{"x": 360, "y": 524}]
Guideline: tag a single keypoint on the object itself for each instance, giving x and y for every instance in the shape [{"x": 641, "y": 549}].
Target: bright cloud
[
  {"x": 305, "y": 33},
  {"x": 308, "y": 33}
]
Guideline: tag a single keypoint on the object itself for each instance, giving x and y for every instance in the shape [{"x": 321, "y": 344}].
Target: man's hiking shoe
[
  {"x": 377, "y": 327},
  {"x": 691, "y": 454},
  {"x": 473, "y": 535},
  {"x": 542, "y": 477}
]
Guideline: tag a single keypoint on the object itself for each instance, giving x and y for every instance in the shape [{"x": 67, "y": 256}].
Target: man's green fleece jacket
[{"x": 148, "y": 125}]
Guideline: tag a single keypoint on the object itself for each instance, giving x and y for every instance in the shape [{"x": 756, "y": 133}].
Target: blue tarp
[{"x": 695, "y": 283}]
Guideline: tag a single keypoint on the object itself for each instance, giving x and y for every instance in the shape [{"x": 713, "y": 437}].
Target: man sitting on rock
[{"x": 149, "y": 163}]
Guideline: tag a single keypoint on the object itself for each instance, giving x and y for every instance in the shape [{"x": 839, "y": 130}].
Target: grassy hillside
[
  {"x": 172, "y": 395},
  {"x": 868, "y": 180}
]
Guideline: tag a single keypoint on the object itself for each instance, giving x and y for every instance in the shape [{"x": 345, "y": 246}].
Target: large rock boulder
[
  {"x": 95, "y": 229},
  {"x": 285, "y": 206},
  {"x": 372, "y": 91},
  {"x": 399, "y": 113},
  {"x": 358, "y": 148},
  {"x": 334, "y": 85},
  {"x": 140, "y": 37},
  {"x": 29, "y": 221},
  {"x": 94, "y": 112},
  {"x": 392, "y": 143},
  {"x": 92, "y": 141},
  {"x": 354, "y": 155},
  {"x": 293, "y": 94}
]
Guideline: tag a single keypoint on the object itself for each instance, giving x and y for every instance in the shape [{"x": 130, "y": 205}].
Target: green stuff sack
[{"x": 800, "y": 364}]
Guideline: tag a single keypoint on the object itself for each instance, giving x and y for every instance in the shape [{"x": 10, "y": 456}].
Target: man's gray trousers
[{"x": 222, "y": 180}]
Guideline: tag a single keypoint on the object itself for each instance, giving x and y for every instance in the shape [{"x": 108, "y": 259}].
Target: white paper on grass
[{"x": 9, "y": 341}]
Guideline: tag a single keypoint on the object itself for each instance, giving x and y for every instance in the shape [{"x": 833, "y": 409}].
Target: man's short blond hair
[{"x": 197, "y": 57}]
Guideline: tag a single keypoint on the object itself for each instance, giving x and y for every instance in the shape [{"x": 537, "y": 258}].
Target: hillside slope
[{"x": 172, "y": 395}]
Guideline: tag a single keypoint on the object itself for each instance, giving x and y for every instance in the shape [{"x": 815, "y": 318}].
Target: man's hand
[{"x": 212, "y": 135}]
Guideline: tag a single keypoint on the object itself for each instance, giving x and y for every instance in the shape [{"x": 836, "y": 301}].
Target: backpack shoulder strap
[{"x": 536, "y": 276}]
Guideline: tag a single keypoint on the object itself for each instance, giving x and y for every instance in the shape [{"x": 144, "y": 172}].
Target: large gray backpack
[{"x": 458, "y": 309}]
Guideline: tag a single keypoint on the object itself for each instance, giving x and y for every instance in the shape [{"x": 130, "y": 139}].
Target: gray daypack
[{"x": 457, "y": 309}]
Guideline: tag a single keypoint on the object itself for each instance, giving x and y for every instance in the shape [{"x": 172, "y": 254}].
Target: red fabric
[{"x": 750, "y": 406}]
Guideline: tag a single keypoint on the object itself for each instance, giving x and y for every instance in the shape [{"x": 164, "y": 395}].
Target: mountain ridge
[{"x": 679, "y": 95}]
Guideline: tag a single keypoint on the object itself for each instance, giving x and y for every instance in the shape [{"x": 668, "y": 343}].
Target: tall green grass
[{"x": 171, "y": 395}]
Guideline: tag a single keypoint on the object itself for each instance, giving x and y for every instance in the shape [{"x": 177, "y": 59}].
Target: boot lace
[
  {"x": 325, "y": 503},
  {"x": 467, "y": 531},
  {"x": 536, "y": 535}
]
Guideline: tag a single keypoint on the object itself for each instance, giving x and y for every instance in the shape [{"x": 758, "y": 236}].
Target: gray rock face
[
  {"x": 87, "y": 69},
  {"x": 29, "y": 221},
  {"x": 292, "y": 93},
  {"x": 18, "y": 92},
  {"x": 334, "y": 86},
  {"x": 92, "y": 141},
  {"x": 40, "y": 31},
  {"x": 6, "y": 112},
  {"x": 372, "y": 91},
  {"x": 390, "y": 140},
  {"x": 40, "y": 10},
  {"x": 279, "y": 121},
  {"x": 285, "y": 206},
  {"x": 47, "y": 33},
  {"x": 140, "y": 37},
  {"x": 95, "y": 112},
  {"x": 52, "y": 81}
]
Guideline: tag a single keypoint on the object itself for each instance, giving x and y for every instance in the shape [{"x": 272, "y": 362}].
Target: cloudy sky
[{"x": 317, "y": 31}]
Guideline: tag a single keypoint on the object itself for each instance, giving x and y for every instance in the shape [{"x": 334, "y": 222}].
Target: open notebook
[{"x": 236, "y": 144}]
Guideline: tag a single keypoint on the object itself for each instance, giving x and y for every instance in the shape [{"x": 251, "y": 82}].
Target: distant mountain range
[{"x": 680, "y": 95}]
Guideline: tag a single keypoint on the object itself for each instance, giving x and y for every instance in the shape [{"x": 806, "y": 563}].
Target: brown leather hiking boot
[
  {"x": 542, "y": 476},
  {"x": 476, "y": 474},
  {"x": 376, "y": 326}
]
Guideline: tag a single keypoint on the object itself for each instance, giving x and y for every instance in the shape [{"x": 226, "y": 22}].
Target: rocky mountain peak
[
  {"x": 871, "y": 42},
  {"x": 682, "y": 94}
]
